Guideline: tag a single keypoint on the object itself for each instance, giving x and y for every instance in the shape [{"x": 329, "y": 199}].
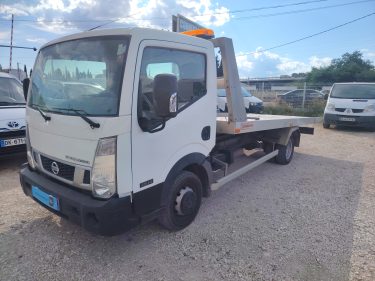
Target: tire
[
  {"x": 286, "y": 152},
  {"x": 182, "y": 202},
  {"x": 326, "y": 125}
]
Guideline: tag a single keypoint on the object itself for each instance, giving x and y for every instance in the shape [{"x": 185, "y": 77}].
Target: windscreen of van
[
  {"x": 11, "y": 92},
  {"x": 353, "y": 91}
]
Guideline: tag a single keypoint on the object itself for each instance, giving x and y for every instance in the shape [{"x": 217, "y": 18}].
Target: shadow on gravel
[
  {"x": 353, "y": 129},
  {"x": 276, "y": 222},
  {"x": 12, "y": 162}
]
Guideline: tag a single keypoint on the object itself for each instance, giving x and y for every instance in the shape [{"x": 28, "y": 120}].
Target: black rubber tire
[
  {"x": 282, "y": 157},
  {"x": 169, "y": 218},
  {"x": 326, "y": 125}
]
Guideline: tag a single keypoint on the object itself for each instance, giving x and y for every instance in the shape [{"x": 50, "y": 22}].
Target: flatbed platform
[{"x": 260, "y": 122}]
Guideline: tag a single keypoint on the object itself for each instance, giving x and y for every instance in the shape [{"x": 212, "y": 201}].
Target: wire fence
[{"x": 302, "y": 95}]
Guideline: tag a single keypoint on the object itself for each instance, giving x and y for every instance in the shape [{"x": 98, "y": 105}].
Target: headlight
[
  {"x": 104, "y": 183},
  {"x": 29, "y": 153},
  {"x": 330, "y": 107},
  {"x": 369, "y": 108}
]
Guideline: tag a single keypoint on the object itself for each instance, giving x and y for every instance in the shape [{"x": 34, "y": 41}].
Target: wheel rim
[
  {"x": 289, "y": 149},
  {"x": 186, "y": 201}
]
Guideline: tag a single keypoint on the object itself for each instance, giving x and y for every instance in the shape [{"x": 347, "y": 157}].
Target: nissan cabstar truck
[{"x": 123, "y": 128}]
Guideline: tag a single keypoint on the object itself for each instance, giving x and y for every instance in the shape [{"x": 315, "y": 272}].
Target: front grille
[
  {"x": 12, "y": 134},
  {"x": 65, "y": 171},
  {"x": 353, "y": 110},
  {"x": 340, "y": 109}
]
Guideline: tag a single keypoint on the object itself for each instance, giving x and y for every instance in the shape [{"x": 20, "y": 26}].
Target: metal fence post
[
  {"x": 263, "y": 91},
  {"x": 304, "y": 95}
]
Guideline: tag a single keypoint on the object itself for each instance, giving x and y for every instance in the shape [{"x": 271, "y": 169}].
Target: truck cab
[{"x": 102, "y": 140}]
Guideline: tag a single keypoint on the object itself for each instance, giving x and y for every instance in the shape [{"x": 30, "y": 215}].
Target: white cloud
[
  {"x": 39, "y": 41},
  {"x": 146, "y": 13},
  {"x": 369, "y": 55},
  {"x": 320, "y": 62},
  {"x": 261, "y": 64},
  {"x": 5, "y": 36},
  {"x": 56, "y": 26},
  {"x": 16, "y": 9}
]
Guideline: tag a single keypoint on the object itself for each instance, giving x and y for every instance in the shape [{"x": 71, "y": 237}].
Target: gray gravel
[{"x": 311, "y": 220}]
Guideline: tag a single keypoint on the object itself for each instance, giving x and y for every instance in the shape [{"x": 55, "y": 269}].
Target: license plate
[
  {"x": 45, "y": 198},
  {"x": 12, "y": 142},
  {"x": 349, "y": 119}
]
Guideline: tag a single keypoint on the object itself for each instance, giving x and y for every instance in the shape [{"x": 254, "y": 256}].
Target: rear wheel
[
  {"x": 183, "y": 201},
  {"x": 326, "y": 125},
  {"x": 286, "y": 152}
]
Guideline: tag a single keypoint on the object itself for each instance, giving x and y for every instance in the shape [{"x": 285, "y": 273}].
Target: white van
[
  {"x": 252, "y": 103},
  {"x": 351, "y": 104},
  {"x": 12, "y": 116}
]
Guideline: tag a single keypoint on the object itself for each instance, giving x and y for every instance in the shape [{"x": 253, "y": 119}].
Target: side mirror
[
  {"x": 25, "y": 85},
  {"x": 165, "y": 95},
  {"x": 326, "y": 96}
]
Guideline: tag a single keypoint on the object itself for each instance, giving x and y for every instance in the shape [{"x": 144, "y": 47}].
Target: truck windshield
[
  {"x": 353, "y": 91},
  {"x": 82, "y": 75},
  {"x": 11, "y": 92}
]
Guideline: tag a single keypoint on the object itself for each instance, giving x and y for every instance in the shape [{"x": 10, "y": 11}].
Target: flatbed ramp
[{"x": 260, "y": 122}]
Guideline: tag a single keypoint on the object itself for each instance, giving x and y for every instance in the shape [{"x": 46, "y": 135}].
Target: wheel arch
[{"x": 195, "y": 163}]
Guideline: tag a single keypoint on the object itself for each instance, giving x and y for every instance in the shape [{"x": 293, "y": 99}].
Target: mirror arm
[{"x": 157, "y": 129}]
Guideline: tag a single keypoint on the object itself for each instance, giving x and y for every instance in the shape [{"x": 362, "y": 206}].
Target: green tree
[{"x": 351, "y": 67}]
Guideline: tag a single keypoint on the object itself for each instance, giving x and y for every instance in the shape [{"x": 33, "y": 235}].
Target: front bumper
[
  {"x": 14, "y": 150},
  {"x": 360, "y": 121},
  {"x": 109, "y": 217}
]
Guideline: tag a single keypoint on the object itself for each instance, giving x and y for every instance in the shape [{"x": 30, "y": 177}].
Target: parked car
[
  {"x": 295, "y": 97},
  {"x": 351, "y": 104},
  {"x": 12, "y": 116},
  {"x": 252, "y": 103}
]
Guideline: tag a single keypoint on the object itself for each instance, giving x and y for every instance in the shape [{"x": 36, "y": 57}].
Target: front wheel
[
  {"x": 183, "y": 201},
  {"x": 286, "y": 152},
  {"x": 326, "y": 125}
]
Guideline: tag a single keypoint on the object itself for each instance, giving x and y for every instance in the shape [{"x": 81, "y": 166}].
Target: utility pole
[{"x": 11, "y": 46}]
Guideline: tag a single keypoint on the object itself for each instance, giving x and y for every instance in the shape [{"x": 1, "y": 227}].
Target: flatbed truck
[{"x": 123, "y": 128}]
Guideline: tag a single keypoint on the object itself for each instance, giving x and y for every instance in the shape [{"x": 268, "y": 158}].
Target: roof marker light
[{"x": 204, "y": 33}]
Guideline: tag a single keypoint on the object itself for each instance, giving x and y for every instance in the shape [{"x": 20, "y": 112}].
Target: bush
[{"x": 315, "y": 109}]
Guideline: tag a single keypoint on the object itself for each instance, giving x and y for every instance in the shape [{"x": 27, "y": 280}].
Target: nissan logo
[
  {"x": 13, "y": 124},
  {"x": 55, "y": 168}
]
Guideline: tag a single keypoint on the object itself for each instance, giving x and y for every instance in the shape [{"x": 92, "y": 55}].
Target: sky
[{"x": 254, "y": 26}]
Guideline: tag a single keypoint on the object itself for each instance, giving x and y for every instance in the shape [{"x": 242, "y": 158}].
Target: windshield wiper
[
  {"x": 11, "y": 103},
  {"x": 45, "y": 117},
  {"x": 92, "y": 124}
]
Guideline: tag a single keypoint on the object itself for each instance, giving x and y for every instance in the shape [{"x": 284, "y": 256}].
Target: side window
[{"x": 190, "y": 71}]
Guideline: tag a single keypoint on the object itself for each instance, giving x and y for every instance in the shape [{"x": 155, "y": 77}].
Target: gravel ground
[{"x": 311, "y": 220}]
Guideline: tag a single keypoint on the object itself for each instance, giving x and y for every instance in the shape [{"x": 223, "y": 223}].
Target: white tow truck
[{"x": 122, "y": 128}]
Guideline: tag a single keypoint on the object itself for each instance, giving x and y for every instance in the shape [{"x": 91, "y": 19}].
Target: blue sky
[{"x": 39, "y": 21}]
